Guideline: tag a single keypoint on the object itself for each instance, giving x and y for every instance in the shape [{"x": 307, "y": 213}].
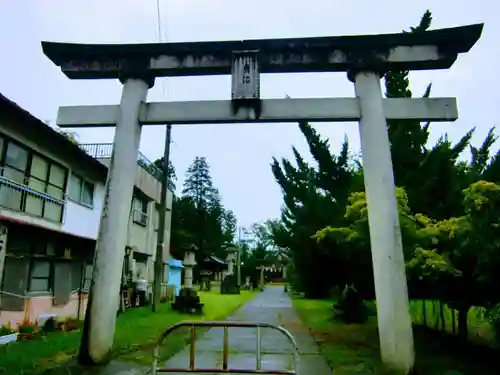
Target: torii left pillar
[{"x": 102, "y": 307}]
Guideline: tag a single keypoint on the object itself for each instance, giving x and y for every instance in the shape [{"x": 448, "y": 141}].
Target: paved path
[{"x": 271, "y": 306}]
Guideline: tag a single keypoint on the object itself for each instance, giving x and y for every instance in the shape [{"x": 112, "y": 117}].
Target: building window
[
  {"x": 50, "y": 179},
  {"x": 81, "y": 191},
  {"x": 40, "y": 276},
  {"x": 2, "y": 142},
  {"x": 45, "y": 179},
  {"x": 15, "y": 163},
  {"x": 140, "y": 210},
  {"x": 87, "y": 277}
]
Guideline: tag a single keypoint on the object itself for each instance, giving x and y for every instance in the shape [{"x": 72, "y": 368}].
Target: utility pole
[
  {"x": 159, "y": 267},
  {"x": 238, "y": 259}
]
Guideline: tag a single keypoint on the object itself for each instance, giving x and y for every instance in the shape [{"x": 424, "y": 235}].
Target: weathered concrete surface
[{"x": 271, "y": 306}]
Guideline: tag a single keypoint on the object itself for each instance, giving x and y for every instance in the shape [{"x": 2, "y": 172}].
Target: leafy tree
[
  {"x": 355, "y": 236},
  {"x": 172, "y": 177},
  {"x": 229, "y": 223},
  {"x": 448, "y": 213},
  {"x": 72, "y": 136},
  {"x": 184, "y": 224},
  {"x": 465, "y": 260}
]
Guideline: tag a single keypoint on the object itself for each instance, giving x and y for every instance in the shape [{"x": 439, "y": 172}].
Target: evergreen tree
[
  {"x": 198, "y": 184},
  {"x": 200, "y": 215},
  {"x": 312, "y": 197}
]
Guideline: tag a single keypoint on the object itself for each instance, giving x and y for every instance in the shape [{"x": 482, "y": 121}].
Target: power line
[
  {"x": 160, "y": 38},
  {"x": 158, "y": 19}
]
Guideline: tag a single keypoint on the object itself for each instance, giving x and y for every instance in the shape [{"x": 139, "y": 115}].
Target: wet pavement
[{"x": 272, "y": 306}]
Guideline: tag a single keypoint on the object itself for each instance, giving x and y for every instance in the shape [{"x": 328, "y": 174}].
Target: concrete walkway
[{"x": 272, "y": 306}]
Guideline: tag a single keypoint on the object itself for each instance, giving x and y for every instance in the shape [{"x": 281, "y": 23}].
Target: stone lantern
[
  {"x": 189, "y": 262},
  {"x": 230, "y": 284},
  {"x": 231, "y": 259},
  {"x": 188, "y": 300}
]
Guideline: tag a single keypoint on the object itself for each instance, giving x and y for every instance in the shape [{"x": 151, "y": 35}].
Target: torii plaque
[{"x": 365, "y": 59}]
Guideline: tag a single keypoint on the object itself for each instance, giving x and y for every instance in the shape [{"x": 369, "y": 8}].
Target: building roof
[
  {"x": 214, "y": 259},
  {"x": 175, "y": 263},
  {"x": 36, "y": 130}
]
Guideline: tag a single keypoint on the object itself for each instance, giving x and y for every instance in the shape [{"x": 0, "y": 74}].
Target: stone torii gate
[{"x": 364, "y": 58}]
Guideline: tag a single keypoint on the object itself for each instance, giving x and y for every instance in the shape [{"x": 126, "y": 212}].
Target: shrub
[
  {"x": 27, "y": 327},
  {"x": 494, "y": 318},
  {"x": 6, "y": 329},
  {"x": 350, "y": 308}
]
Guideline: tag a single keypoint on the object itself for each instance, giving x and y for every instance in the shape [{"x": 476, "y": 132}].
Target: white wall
[{"x": 83, "y": 221}]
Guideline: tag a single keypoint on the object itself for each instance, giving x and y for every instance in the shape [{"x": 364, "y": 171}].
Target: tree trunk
[
  {"x": 424, "y": 314},
  {"x": 454, "y": 321},
  {"x": 463, "y": 330},
  {"x": 441, "y": 316}
]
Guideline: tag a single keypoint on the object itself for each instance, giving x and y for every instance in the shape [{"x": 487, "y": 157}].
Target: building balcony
[
  {"x": 21, "y": 198},
  {"x": 104, "y": 151}
]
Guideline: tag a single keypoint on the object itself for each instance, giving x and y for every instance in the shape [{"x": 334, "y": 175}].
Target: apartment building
[{"x": 51, "y": 197}]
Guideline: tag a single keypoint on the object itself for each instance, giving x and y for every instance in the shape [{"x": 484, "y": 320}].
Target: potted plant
[
  {"x": 7, "y": 334},
  {"x": 27, "y": 330}
]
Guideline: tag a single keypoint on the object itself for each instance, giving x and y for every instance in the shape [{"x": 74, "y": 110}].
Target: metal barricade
[{"x": 225, "y": 349}]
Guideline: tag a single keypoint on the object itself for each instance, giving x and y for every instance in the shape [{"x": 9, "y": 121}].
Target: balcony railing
[
  {"x": 21, "y": 198},
  {"x": 104, "y": 151}
]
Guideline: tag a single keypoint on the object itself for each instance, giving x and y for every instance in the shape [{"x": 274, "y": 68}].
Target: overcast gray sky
[{"x": 239, "y": 155}]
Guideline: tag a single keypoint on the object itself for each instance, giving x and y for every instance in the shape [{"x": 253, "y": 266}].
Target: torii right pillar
[{"x": 394, "y": 319}]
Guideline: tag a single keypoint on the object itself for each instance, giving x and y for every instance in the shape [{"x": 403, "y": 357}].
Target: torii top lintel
[{"x": 435, "y": 49}]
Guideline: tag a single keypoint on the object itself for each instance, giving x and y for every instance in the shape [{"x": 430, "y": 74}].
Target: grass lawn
[
  {"x": 136, "y": 333},
  {"x": 354, "y": 349}
]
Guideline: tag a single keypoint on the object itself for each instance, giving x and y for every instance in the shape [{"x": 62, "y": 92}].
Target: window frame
[
  {"x": 27, "y": 177},
  {"x": 49, "y": 278},
  {"x": 140, "y": 216},
  {"x": 87, "y": 276},
  {"x": 83, "y": 182}
]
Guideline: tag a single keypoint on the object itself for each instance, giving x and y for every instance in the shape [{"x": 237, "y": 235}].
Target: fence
[
  {"x": 437, "y": 315},
  {"x": 105, "y": 150},
  {"x": 18, "y": 197}
]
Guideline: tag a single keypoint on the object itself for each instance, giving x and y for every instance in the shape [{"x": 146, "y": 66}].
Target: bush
[
  {"x": 350, "y": 308},
  {"x": 6, "y": 330},
  {"x": 494, "y": 318},
  {"x": 27, "y": 327}
]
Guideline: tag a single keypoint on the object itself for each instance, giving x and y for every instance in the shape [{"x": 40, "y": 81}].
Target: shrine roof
[
  {"x": 288, "y": 55},
  {"x": 214, "y": 259}
]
